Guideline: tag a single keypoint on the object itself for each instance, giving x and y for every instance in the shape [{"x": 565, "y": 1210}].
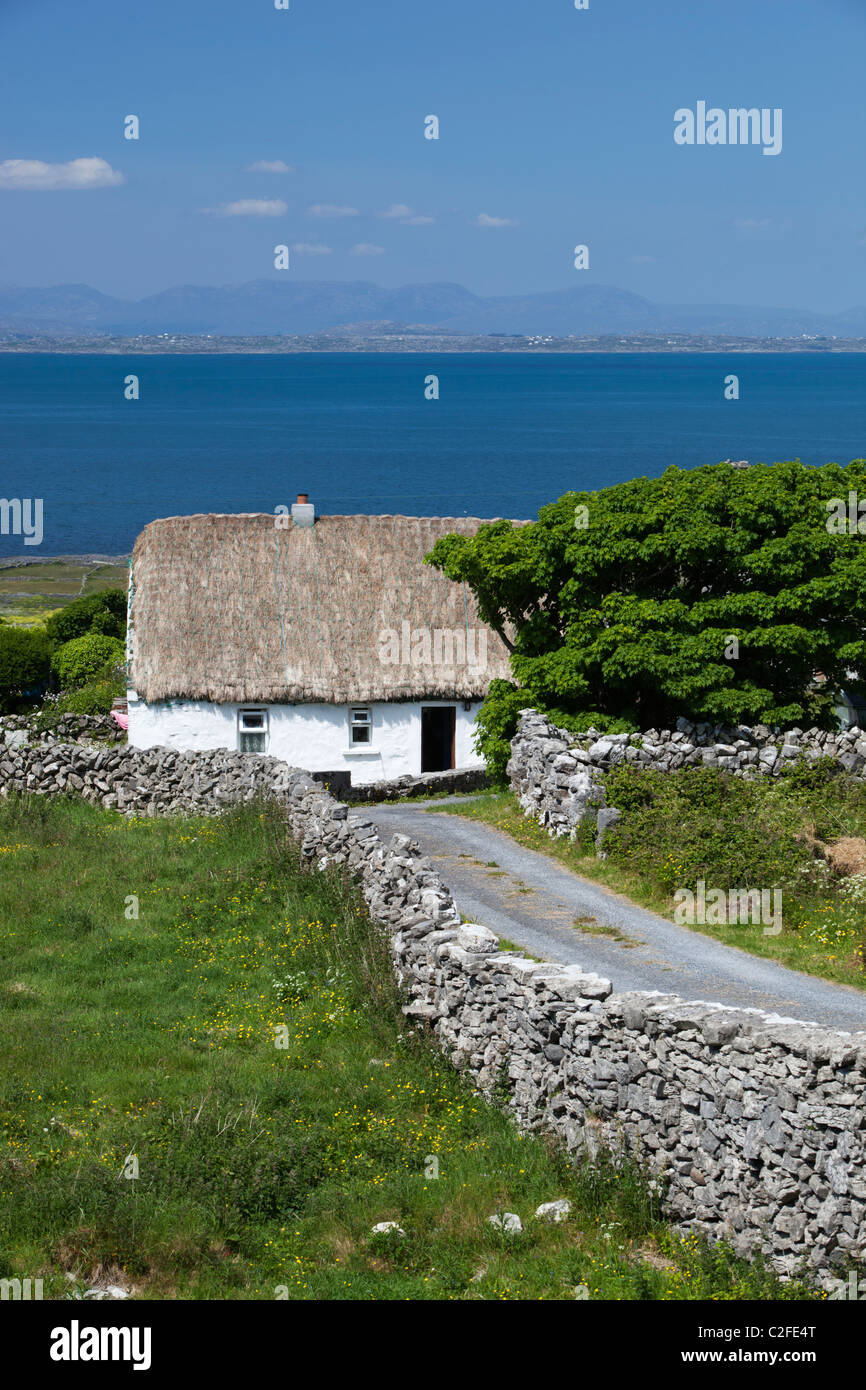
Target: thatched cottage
[{"x": 323, "y": 641}]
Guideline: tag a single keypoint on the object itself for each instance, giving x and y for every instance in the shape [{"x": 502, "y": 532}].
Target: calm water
[{"x": 243, "y": 433}]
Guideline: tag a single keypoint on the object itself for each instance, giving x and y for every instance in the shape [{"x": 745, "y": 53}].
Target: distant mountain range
[{"x": 264, "y": 307}]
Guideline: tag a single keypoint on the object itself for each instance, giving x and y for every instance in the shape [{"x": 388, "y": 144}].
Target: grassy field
[
  {"x": 183, "y": 1002},
  {"x": 737, "y": 834},
  {"x": 31, "y": 593}
]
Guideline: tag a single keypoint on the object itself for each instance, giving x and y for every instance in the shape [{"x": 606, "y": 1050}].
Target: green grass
[
  {"x": 30, "y": 594},
  {"x": 592, "y": 927},
  {"x": 823, "y": 928},
  {"x": 150, "y": 973}
]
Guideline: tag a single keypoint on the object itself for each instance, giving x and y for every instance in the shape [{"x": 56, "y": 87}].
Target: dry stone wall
[
  {"x": 557, "y": 776},
  {"x": 156, "y": 781},
  {"x": 457, "y": 780},
  {"x": 63, "y": 728},
  {"x": 753, "y": 1125}
]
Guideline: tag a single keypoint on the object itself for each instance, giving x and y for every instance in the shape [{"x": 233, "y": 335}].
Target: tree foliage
[
  {"x": 25, "y": 662},
  {"x": 79, "y": 661},
  {"x": 630, "y": 615},
  {"x": 104, "y": 613}
]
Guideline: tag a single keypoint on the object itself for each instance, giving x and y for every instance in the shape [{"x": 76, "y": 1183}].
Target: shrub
[
  {"x": 96, "y": 697},
  {"x": 496, "y": 724},
  {"x": 77, "y": 662},
  {"x": 104, "y": 613},
  {"x": 25, "y": 663},
  {"x": 700, "y": 823}
]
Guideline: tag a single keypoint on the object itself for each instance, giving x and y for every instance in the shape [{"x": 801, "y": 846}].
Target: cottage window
[
  {"x": 252, "y": 730},
  {"x": 360, "y": 724}
]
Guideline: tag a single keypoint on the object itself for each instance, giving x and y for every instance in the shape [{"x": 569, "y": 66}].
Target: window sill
[{"x": 361, "y": 753}]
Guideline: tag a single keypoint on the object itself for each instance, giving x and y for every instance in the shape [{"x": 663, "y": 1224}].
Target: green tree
[
  {"x": 25, "y": 662},
  {"x": 79, "y": 661},
  {"x": 719, "y": 593},
  {"x": 104, "y": 613}
]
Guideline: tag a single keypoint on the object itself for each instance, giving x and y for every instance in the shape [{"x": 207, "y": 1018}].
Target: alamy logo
[
  {"x": 25, "y": 515},
  {"x": 737, "y": 126},
  {"x": 851, "y": 1289},
  {"x": 739, "y": 907},
  {"x": 20, "y": 1289},
  {"x": 419, "y": 646},
  {"x": 76, "y": 1343},
  {"x": 846, "y": 519}
]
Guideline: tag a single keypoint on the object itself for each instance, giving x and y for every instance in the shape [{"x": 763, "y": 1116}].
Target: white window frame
[
  {"x": 362, "y": 745},
  {"x": 261, "y": 714}
]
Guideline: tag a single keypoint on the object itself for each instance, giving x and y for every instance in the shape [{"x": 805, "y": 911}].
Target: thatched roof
[{"x": 236, "y": 609}]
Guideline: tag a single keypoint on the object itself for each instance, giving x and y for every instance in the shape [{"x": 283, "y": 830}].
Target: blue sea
[{"x": 240, "y": 433}]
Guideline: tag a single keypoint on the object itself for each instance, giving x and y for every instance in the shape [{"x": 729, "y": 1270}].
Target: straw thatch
[{"x": 236, "y": 609}]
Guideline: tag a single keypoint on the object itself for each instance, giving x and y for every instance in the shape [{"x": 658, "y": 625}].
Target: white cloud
[
  {"x": 396, "y": 212},
  {"x": 269, "y": 166},
  {"x": 485, "y": 220},
  {"x": 367, "y": 248},
  {"x": 251, "y": 207},
  {"x": 330, "y": 210},
  {"x": 311, "y": 248},
  {"x": 78, "y": 173},
  {"x": 752, "y": 224},
  {"x": 400, "y": 212}
]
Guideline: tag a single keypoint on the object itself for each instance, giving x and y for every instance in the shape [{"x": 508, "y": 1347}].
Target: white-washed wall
[{"x": 314, "y": 736}]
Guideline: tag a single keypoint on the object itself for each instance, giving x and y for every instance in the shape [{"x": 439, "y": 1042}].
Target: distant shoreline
[
  {"x": 17, "y": 561},
  {"x": 180, "y": 344}
]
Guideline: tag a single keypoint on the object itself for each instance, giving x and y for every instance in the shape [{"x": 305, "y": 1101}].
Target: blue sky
[{"x": 556, "y": 126}]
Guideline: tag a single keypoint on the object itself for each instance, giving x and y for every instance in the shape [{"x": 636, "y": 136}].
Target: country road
[{"x": 533, "y": 901}]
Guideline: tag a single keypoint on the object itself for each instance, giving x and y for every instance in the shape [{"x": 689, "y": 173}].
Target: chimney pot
[{"x": 303, "y": 512}]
